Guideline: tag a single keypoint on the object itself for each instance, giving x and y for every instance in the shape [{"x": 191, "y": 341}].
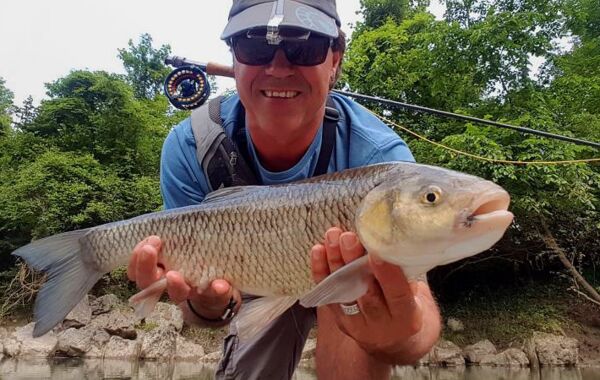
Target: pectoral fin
[
  {"x": 344, "y": 285},
  {"x": 144, "y": 302}
]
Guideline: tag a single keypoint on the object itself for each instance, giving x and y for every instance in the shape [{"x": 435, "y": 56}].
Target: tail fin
[{"x": 69, "y": 278}]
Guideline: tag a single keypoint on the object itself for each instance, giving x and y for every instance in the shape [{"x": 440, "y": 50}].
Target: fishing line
[
  {"x": 470, "y": 118},
  {"x": 475, "y": 156}
]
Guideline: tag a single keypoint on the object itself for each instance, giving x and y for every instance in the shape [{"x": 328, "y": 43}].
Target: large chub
[{"x": 69, "y": 278}]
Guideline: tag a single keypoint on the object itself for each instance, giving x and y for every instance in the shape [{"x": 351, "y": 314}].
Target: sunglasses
[{"x": 255, "y": 50}]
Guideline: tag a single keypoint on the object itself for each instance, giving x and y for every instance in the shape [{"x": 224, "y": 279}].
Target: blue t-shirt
[{"x": 361, "y": 139}]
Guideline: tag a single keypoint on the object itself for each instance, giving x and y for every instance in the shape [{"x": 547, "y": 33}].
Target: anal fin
[{"x": 257, "y": 314}]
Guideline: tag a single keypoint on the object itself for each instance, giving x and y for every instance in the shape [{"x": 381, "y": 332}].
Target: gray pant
[{"x": 272, "y": 354}]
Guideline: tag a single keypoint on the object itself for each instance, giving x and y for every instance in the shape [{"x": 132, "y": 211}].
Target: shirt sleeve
[
  {"x": 180, "y": 182},
  {"x": 395, "y": 150}
]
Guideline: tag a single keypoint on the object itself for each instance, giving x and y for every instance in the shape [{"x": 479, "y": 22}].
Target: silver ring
[{"x": 350, "y": 309}]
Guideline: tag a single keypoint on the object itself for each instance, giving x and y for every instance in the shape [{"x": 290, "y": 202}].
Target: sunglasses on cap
[{"x": 256, "y": 48}]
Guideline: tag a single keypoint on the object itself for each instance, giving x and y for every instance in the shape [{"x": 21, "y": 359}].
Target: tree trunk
[{"x": 553, "y": 245}]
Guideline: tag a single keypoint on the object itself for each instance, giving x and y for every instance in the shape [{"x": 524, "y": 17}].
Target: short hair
[{"x": 339, "y": 45}]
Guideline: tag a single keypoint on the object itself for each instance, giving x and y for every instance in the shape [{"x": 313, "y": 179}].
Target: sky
[{"x": 42, "y": 40}]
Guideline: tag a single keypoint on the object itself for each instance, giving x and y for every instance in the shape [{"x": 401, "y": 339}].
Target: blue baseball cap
[{"x": 318, "y": 16}]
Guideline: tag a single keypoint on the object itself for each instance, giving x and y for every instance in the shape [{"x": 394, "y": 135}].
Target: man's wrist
[{"x": 226, "y": 316}]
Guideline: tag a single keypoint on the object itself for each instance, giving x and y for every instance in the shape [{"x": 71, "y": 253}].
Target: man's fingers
[
  {"x": 318, "y": 262},
  {"x": 351, "y": 248},
  {"x": 332, "y": 245},
  {"x": 221, "y": 288},
  {"x": 177, "y": 288},
  {"x": 146, "y": 271},
  {"x": 131, "y": 267},
  {"x": 215, "y": 297},
  {"x": 395, "y": 287}
]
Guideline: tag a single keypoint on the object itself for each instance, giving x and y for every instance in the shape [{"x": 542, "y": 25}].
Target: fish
[{"x": 259, "y": 237}]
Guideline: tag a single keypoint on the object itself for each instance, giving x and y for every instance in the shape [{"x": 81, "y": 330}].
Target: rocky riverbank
[{"x": 105, "y": 328}]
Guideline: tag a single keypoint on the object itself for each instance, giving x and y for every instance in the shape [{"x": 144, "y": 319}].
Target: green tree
[
  {"x": 145, "y": 66},
  {"x": 6, "y": 102},
  {"x": 26, "y": 114},
  {"x": 96, "y": 112}
]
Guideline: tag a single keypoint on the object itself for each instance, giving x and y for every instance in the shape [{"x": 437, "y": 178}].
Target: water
[{"x": 76, "y": 369}]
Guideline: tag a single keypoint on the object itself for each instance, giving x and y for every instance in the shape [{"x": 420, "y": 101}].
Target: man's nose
[{"x": 279, "y": 65}]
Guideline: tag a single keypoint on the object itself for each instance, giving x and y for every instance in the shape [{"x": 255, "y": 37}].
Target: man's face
[{"x": 284, "y": 100}]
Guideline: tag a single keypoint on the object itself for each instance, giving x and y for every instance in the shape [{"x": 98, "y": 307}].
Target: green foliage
[
  {"x": 6, "y": 99},
  {"x": 63, "y": 191},
  {"x": 145, "y": 66},
  {"x": 96, "y": 112},
  {"x": 378, "y": 12},
  {"x": 25, "y": 115}
]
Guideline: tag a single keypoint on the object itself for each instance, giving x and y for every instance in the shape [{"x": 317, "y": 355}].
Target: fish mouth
[{"x": 491, "y": 209}]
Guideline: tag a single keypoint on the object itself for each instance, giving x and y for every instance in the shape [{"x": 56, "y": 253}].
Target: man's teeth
[{"x": 280, "y": 94}]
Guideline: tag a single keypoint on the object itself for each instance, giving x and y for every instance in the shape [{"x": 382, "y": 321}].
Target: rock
[
  {"x": 512, "y": 357},
  {"x": 99, "y": 340},
  {"x": 86, "y": 342},
  {"x": 41, "y": 347},
  {"x": 119, "y": 348},
  {"x": 515, "y": 357},
  {"x": 554, "y": 350},
  {"x": 12, "y": 347},
  {"x": 310, "y": 348},
  {"x": 212, "y": 357},
  {"x": 105, "y": 304},
  {"x": 186, "y": 350},
  {"x": 74, "y": 342},
  {"x": 165, "y": 314},
  {"x": 529, "y": 348},
  {"x": 3, "y": 335},
  {"x": 117, "y": 322},
  {"x": 475, "y": 352},
  {"x": 80, "y": 316},
  {"x": 455, "y": 324},
  {"x": 446, "y": 353},
  {"x": 160, "y": 343}
]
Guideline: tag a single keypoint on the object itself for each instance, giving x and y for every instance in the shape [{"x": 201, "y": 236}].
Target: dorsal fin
[{"x": 229, "y": 193}]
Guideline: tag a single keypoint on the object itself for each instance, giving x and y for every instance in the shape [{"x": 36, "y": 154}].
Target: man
[{"x": 287, "y": 56}]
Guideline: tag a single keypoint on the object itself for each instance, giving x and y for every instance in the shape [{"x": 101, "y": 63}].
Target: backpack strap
[
  {"x": 217, "y": 155},
  {"x": 332, "y": 115}
]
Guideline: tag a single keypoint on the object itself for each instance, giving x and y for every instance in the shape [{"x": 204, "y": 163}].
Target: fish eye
[{"x": 432, "y": 195}]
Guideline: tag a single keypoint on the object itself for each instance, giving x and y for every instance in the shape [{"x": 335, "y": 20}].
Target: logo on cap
[{"x": 314, "y": 20}]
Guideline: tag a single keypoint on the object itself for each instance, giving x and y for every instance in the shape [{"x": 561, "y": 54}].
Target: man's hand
[
  {"x": 144, "y": 268},
  {"x": 398, "y": 320}
]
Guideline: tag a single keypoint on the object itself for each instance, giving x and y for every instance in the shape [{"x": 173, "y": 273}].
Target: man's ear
[{"x": 336, "y": 58}]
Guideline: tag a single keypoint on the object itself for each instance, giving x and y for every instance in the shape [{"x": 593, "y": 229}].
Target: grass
[{"x": 508, "y": 316}]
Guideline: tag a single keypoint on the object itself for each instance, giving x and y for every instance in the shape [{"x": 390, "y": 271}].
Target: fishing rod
[{"x": 187, "y": 88}]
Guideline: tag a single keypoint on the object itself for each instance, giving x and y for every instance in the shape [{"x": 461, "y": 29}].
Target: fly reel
[{"x": 187, "y": 87}]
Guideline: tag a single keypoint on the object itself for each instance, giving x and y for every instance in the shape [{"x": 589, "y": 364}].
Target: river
[{"x": 77, "y": 369}]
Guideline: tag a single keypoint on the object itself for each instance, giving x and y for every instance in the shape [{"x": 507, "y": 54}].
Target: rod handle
[{"x": 213, "y": 68}]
